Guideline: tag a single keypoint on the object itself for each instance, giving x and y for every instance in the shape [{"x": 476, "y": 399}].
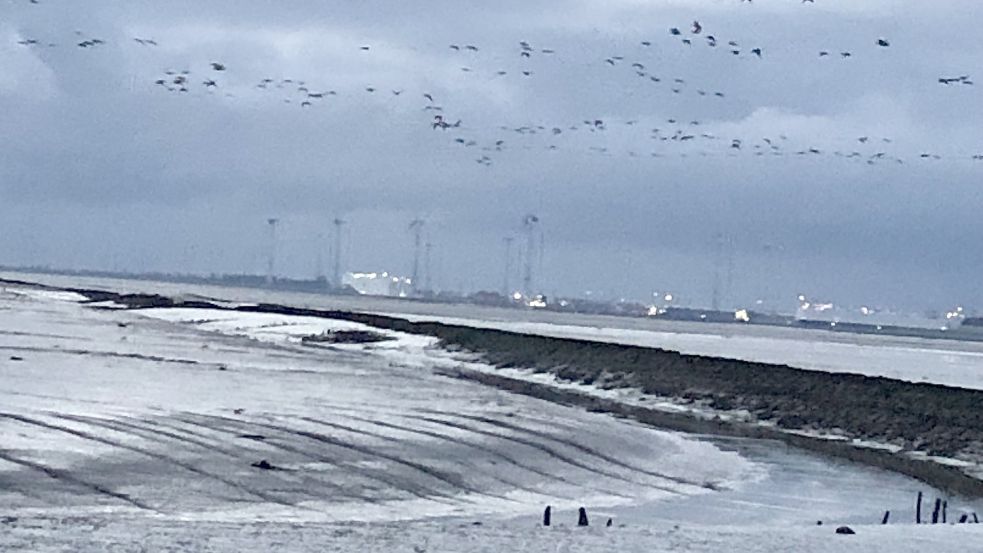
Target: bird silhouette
[{"x": 218, "y": 66}]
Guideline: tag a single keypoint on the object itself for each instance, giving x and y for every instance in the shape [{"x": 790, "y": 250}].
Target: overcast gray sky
[{"x": 102, "y": 168}]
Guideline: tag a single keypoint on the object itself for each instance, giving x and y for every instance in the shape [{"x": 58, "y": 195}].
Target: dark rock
[
  {"x": 258, "y": 437},
  {"x": 547, "y": 515},
  {"x": 846, "y": 530},
  {"x": 16, "y": 358},
  {"x": 265, "y": 465},
  {"x": 610, "y": 523},
  {"x": 345, "y": 337}
]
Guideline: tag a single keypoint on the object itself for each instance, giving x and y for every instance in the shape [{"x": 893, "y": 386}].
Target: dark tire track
[
  {"x": 422, "y": 469},
  {"x": 490, "y": 451},
  {"x": 153, "y": 455},
  {"x": 580, "y": 447},
  {"x": 545, "y": 449},
  {"x": 143, "y": 432},
  {"x": 62, "y": 476},
  {"x": 381, "y": 477},
  {"x": 364, "y": 432},
  {"x": 236, "y": 454}
]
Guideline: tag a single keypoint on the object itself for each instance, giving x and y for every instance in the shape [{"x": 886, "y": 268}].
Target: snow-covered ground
[{"x": 122, "y": 430}]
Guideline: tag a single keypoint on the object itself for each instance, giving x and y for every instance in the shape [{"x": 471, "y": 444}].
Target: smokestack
[
  {"x": 336, "y": 273},
  {"x": 417, "y": 227},
  {"x": 507, "y": 277},
  {"x": 428, "y": 281},
  {"x": 271, "y": 261},
  {"x": 529, "y": 223}
]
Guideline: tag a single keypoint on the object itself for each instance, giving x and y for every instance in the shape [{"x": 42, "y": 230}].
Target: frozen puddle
[{"x": 166, "y": 411}]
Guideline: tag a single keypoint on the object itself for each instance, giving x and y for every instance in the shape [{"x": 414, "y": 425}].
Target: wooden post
[
  {"x": 936, "y": 511},
  {"x": 918, "y": 509},
  {"x": 887, "y": 515},
  {"x": 976, "y": 519},
  {"x": 546, "y": 515},
  {"x": 964, "y": 519},
  {"x": 945, "y": 509},
  {"x": 582, "y": 519}
]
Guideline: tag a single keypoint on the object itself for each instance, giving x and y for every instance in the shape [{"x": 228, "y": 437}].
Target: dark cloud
[{"x": 101, "y": 167}]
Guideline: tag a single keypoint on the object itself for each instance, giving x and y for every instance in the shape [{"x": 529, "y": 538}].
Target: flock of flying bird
[{"x": 675, "y": 131}]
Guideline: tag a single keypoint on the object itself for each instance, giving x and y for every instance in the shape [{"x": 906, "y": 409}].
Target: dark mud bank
[{"x": 925, "y": 418}]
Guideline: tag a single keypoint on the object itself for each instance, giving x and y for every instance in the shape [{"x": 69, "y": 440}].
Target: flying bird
[
  {"x": 218, "y": 66},
  {"x": 756, "y": 52},
  {"x": 883, "y": 43},
  {"x": 697, "y": 28}
]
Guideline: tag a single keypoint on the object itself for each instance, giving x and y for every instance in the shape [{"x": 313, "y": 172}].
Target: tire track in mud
[
  {"x": 431, "y": 472},
  {"x": 490, "y": 451},
  {"x": 236, "y": 450},
  {"x": 345, "y": 412},
  {"x": 363, "y": 432},
  {"x": 422, "y": 469},
  {"x": 153, "y": 455},
  {"x": 419, "y": 492},
  {"x": 109, "y": 354},
  {"x": 143, "y": 432},
  {"x": 573, "y": 444},
  {"x": 545, "y": 449},
  {"x": 63, "y": 476}
]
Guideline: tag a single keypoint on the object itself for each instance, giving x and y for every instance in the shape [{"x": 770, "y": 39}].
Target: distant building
[
  {"x": 828, "y": 313},
  {"x": 378, "y": 284}
]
